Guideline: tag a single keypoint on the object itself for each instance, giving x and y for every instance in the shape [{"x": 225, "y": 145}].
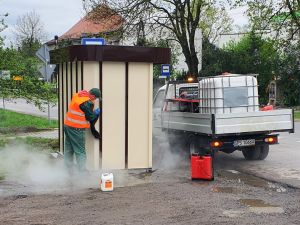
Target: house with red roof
[{"x": 101, "y": 22}]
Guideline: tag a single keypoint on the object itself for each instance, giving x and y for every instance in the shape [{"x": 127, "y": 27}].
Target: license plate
[{"x": 242, "y": 143}]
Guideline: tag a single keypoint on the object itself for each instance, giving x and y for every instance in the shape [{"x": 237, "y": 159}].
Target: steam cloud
[{"x": 38, "y": 172}]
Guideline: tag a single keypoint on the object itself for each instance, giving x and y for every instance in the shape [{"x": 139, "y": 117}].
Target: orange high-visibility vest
[{"x": 75, "y": 116}]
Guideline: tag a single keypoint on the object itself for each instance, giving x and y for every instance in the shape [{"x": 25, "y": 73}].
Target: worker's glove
[
  {"x": 97, "y": 112},
  {"x": 94, "y": 131},
  {"x": 94, "y": 121}
]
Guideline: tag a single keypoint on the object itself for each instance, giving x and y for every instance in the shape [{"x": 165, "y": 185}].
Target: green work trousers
[{"x": 75, "y": 145}]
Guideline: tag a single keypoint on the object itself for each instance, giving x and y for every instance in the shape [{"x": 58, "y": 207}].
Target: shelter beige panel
[
  {"x": 69, "y": 68},
  {"x": 73, "y": 77},
  {"x": 64, "y": 81},
  {"x": 61, "y": 122},
  {"x": 113, "y": 115},
  {"x": 64, "y": 93},
  {"x": 140, "y": 115},
  {"x": 91, "y": 80},
  {"x": 79, "y": 76}
]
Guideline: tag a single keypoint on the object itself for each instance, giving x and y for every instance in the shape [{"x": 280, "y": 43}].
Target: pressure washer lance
[{"x": 57, "y": 155}]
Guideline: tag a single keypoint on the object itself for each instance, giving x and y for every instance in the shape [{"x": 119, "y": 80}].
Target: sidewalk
[{"x": 51, "y": 134}]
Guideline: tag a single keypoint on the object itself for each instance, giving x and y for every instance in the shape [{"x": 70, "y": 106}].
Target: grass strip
[
  {"x": 13, "y": 122},
  {"x": 35, "y": 143}
]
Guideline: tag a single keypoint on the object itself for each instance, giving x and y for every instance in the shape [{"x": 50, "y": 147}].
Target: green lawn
[
  {"x": 297, "y": 115},
  {"x": 35, "y": 143},
  {"x": 13, "y": 122}
]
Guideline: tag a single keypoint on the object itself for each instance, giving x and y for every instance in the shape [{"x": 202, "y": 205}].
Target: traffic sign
[
  {"x": 47, "y": 71},
  {"x": 43, "y": 54},
  {"x": 4, "y": 74},
  {"x": 17, "y": 78},
  {"x": 93, "y": 41},
  {"x": 165, "y": 70}
]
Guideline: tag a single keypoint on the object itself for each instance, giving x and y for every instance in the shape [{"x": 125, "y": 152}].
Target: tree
[
  {"x": 253, "y": 54},
  {"x": 18, "y": 63},
  {"x": 289, "y": 79},
  {"x": 215, "y": 60},
  {"x": 215, "y": 21},
  {"x": 283, "y": 17},
  {"x": 2, "y": 26},
  {"x": 180, "y": 18},
  {"x": 31, "y": 89},
  {"x": 29, "y": 33}
]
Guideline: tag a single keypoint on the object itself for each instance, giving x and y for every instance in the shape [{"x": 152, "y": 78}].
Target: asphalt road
[
  {"x": 20, "y": 105},
  {"x": 281, "y": 165}
]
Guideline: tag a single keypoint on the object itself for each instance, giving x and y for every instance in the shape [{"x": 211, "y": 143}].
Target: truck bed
[{"x": 279, "y": 120}]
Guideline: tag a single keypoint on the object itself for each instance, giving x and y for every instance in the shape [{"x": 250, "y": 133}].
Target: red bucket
[{"x": 201, "y": 167}]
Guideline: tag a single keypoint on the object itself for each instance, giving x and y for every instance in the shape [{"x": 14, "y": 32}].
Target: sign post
[{"x": 46, "y": 69}]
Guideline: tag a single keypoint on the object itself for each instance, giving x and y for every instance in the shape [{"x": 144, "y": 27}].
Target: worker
[{"x": 80, "y": 116}]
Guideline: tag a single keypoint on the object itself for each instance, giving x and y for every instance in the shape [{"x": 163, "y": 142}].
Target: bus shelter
[{"x": 124, "y": 74}]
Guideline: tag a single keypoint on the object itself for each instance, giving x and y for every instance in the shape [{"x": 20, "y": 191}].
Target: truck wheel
[
  {"x": 264, "y": 151},
  {"x": 256, "y": 153},
  {"x": 251, "y": 153}
]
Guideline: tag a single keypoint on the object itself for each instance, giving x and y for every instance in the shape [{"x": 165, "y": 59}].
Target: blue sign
[
  {"x": 93, "y": 41},
  {"x": 165, "y": 70}
]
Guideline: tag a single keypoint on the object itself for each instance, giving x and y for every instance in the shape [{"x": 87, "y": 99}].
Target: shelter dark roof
[{"x": 110, "y": 53}]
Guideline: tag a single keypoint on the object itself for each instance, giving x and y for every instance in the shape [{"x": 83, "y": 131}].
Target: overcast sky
[{"x": 58, "y": 15}]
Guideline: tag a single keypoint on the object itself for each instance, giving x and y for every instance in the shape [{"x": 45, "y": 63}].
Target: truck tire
[
  {"x": 259, "y": 152},
  {"x": 251, "y": 153},
  {"x": 264, "y": 151}
]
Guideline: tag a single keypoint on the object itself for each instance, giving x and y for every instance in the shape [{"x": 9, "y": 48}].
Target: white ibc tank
[{"x": 228, "y": 94}]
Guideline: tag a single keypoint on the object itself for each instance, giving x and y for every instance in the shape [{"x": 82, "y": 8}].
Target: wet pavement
[{"x": 282, "y": 164}]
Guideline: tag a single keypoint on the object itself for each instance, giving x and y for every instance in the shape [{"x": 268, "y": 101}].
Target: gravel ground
[{"x": 164, "y": 198}]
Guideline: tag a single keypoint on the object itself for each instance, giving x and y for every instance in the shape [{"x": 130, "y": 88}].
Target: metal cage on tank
[{"x": 232, "y": 93}]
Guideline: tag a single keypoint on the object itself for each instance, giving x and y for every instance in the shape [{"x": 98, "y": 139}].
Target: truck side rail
[{"x": 280, "y": 120}]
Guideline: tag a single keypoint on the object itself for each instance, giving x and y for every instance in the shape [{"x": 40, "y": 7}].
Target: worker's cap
[{"x": 96, "y": 92}]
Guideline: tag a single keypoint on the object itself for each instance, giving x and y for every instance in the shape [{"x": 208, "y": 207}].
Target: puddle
[
  {"x": 227, "y": 190},
  {"x": 233, "y": 171},
  {"x": 261, "y": 207},
  {"x": 255, "y": 203},
  {"x": 251, "y": 180},
  {"x": 245, "y": 178},
  {"x": 233, "y": 213},
  {"x": 267, "y": 210},
  {"x": 277, "y": 187}
]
